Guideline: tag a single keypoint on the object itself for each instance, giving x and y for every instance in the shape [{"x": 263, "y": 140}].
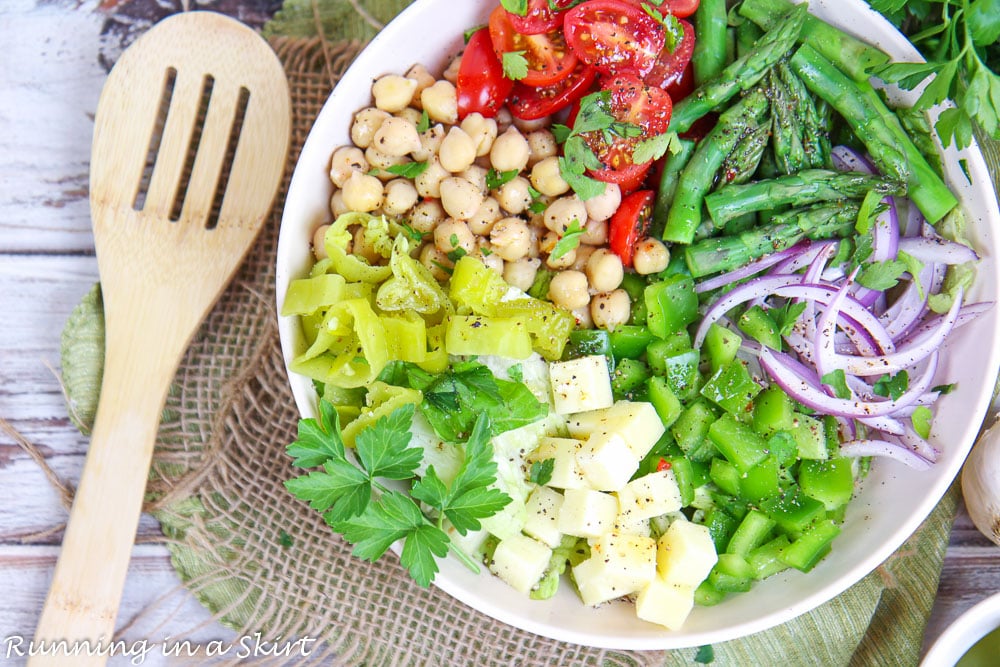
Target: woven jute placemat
[{"x": 263, "y": 562}]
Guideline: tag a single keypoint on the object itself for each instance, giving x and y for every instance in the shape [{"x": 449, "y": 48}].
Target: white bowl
[
  {"x": 963, "y": 633},
  {"x": 893, "y": 500}
]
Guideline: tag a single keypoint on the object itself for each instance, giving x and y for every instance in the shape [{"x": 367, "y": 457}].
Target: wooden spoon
[{"x": 190, "y": 141}]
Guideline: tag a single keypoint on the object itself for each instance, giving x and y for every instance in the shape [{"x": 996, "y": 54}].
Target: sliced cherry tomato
[
  {"x": 481, "y": 84},
  {"x": 680, "y": 8},
  {"x": 635, "y": 103},
  {"x": 614, "y": 36},
  {"x": 630, "y": 224},
  {"x": 549, "y": 59},
  {"x": 684, "y": 87},
  {"x": 534, "y": 102},
  {"x": 670, "y": 65},
  {"x": 628, "y": 178},
  {"x": 540, "y": 17}
]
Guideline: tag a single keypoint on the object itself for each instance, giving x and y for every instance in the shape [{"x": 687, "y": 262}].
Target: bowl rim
[
  {"x": 890, "y": 40},
  {"x": 963, "y": 633}
]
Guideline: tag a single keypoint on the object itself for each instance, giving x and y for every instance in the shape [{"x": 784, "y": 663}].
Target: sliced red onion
[
  {"x": 918, "y": 444},
  {"x": 892, "y": 450},
  {"x": 885, "y": 244},
  {"x": 803, "y": 259},
  {"x": 752, "y": 268},
  {"x": 884, "y": 424},
  {"x": 966, "y": 314},
  {"x": 913, "y": 222},
  {"x": 845, "y": 158},
  {"x": 815, "y": 271},
  {"x": 938, "y": 249},
  {"x": 824, "y": 340},
  {"x": 776, "y": 364}
]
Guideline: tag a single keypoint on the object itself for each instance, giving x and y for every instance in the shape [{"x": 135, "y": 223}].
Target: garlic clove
[{"x": 981, "y": 482}]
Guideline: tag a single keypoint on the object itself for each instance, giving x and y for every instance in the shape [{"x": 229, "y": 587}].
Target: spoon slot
[
  {"x": 227, "y": 166},
  {"x": 156, "y": 136},
  {"x": 208, "y": 83}
]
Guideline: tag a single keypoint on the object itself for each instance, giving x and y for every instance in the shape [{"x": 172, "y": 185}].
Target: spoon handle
[{"x": 86, "y": 589}]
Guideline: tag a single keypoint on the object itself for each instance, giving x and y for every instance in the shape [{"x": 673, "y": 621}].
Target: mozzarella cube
[
  {"x": 651, "y": 495},
  {"x": 580, "y": 384},
  {"x": 619, "y": 565},
  {"x": 636, "y": 422},
  {"x": 566, "y": 473},
  {"x": 627, "y": 524},
  {"x": 685, "y": 554},
  {"x": 607, "y": 461},
  {"x": 520, "y": 561},
  {"x": 587, "y": 513},
  {"x": 665, "y": 604},
  {"x": 543, "y": 516}
]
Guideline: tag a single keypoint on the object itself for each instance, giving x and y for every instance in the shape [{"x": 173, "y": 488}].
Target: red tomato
[
  {"x": 628, "y": 178},
  {"x": 549, "y": 60},
  {"x": 481, "y": 84},
  {"x": 670, "y": 65},
  {"x": 680, "y": 8},
  {"x": 630, "y": 224},
  {"x": 634, "y": 102},
  {"x": 614, "y": 36},
  {"x": 533, "y": 102},
  {"x": 540, "y": 17}
]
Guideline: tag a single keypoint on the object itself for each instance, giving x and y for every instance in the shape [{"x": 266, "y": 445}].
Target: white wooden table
[{"x": 50, "y": 79}]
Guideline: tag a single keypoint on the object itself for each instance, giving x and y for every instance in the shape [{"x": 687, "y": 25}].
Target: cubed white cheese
[
  {"x": 580, "y": 384},
  {"x": 620, "y": 564},
  {"x": 543, "y": 516},
  {"x": 607, "y": 461},
  {"x": 685, "y": 554},
  {"x": 520, "y": 561},
  {"x": 627, "y": 524},
  {"x": 636, "y": 422},
  {"x": 566, "y": 473},
  {"x": 587, "y": 513},
  {"x": 650, "y": 495},
  {"x": 665, "y": 604}
]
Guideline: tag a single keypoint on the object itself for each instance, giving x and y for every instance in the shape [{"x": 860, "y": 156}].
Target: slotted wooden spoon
[{"x": 190, "y": 141}]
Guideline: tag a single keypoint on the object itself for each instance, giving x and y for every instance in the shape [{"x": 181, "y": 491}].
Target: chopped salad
[{"x": 626, "y": 300}]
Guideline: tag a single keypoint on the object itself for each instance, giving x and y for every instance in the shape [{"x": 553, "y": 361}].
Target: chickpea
[
  {"x": 521, "y": 273},
  {"x": 430, "y": 143},
  {"x": 362, "y": 192},
  {"x": 458, "y": 151},
  {"x": 319, "y": 242},
  {"x": 436, "y": 262},
  {"x": 595, "y": 233},
  {"x": 346, "y": 161},
  {"x": 393, "y": 93},
  {"x": 460, "y": 198},
  {"x": 651, "y": 256},
  {"x": 428, "y": 183},
  {"x": 604, "y": 205},
  {"x": 514, "y": 195},
  {"x": 504, "y": 119},
  {"x": 561, "y": 213},
  {"x": 490, "y": 259},
  {"x": 366, "y": 123},
  {"x": 410, "y": 114},
  {"x": 423, "y": 78},
  {"x": 510, "y": 151},
  {"x": 451, "y": 71},
  {"x": 337, "y": 206},
  {"x": 400, "y": 197},
  {"x": 382, "y": 162},
  {"x": 477, "y": 176},
  {"x": 541, "y": 144},
  {"x": 440, "y": 101},
  {"x": 563, "y": 261},
  {"x": 482, "y": 130},
  {"x": 583, "y": 253},
  {"x": 610, "y": 310},
  {"x": 568, "y": 290},
  {"x": 532, "y": 125},
  {"x": 426, "y": 215},
  {"x": 511, "y": 239},
  {"x": 605, "y": 270},
  {"x": 582, "y": 317},
  {"x": 481, "y": 222},
  {"x": 396, "y": 137},
  {"x": 545, "y": 177},
  {"x": 453, "y": 234}
]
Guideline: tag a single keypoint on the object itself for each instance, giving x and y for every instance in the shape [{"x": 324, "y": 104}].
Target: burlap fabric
[{"x": 263, "y": 562}]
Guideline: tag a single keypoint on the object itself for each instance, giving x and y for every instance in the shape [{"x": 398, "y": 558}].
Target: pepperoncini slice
[
  {"x": 478, "y": 334},
  {"x": 476, "y": 288},
  {"x": 406, "y": 337},
  {"x": 352, "y": 267},
  {"x": 307, "y": 295},
  {"x": 411, "y": 288},
  {"x": 382, "y": 399},
  {"x": 350, "y": 349},
  {"x": 548, "y": 324}
]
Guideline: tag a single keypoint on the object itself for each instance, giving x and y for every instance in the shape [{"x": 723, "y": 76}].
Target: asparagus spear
[
  {"x": 698, "y": 176},
  {"x": 815, "y": 130},
  {"x": 786, "y": 126},
  {"x": 851, "y": 54},
  {"x": 726, "y": 253},
  {"x": 741, "y": 164},
  {"x": 808, "y": 186},
  {"x": 741, "y": 74},
  {"x": 747, "y": 34},
  {"x": 893, "y": 152},
  {"x": 673, "y": 165},
  {"x": 710, "y": 29}
]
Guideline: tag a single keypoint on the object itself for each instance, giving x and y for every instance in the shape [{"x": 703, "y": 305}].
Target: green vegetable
[
  {"x": 711, "y": 24},
  {"x": 515, "y": 65}
]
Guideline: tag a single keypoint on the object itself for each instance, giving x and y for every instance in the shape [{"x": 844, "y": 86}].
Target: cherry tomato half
[
  {"x": 637, "y": 103},
  {"x": 481, "y": 85},
  {"x": 680, "y": 8},
  {"x": 628, "y": 177},
  {"x": 534, "y": 102},
  {"x": 549, "y": 59},
  {"x": 540, "y": 17},
  {"x": 614, "y": 36},
  {"x": 630, "y": 224},
  {"x": 670, "y": 65}
]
